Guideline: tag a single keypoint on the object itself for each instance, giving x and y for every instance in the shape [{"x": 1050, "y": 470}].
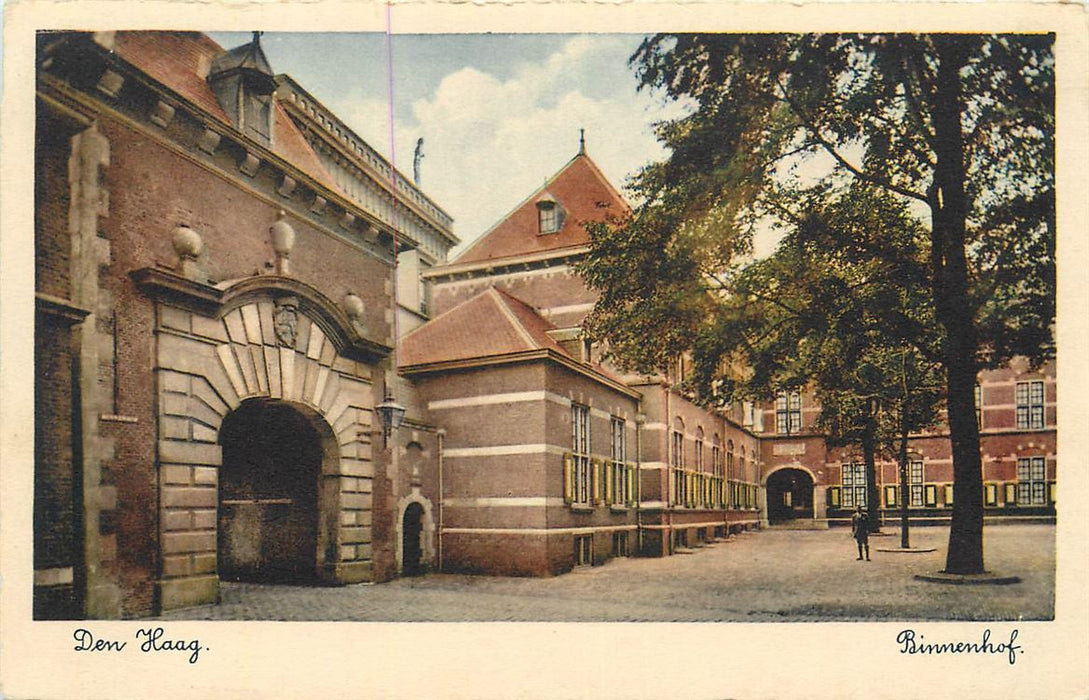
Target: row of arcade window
[
  {"x": 589, "y": 481},
  {"x": 1031, "y": 488},
  {"x": 1029, "y": 397},
  {"x": 695, "y": 487}
]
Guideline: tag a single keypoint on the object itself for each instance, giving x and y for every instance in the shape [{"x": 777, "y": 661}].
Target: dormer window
[
  {"x": 549, "y": 215},
  {"x": 243, "y": 83}
]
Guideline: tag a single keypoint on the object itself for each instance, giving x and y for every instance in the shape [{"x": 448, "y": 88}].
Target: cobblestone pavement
[{"x": 773, "y": 575}]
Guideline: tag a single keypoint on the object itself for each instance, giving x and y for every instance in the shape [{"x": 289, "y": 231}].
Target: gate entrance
[
  {"x": 268, "y": 495},
  {"x": 790, "y": 496},
  {"x": 412, "y": 528}
]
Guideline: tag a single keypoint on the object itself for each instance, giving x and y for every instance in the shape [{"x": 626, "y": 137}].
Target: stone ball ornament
[
  {"x": 187, "y": 242},
  {"x": 353, "y": 306},
  {"x": 283, "y": 236}
]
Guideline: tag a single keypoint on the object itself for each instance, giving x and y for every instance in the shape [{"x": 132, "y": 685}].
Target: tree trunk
[
  {"x": 949, "y": 268},
  {"x": 905, "y": 493},
  {"x": 873, "y": 511}
]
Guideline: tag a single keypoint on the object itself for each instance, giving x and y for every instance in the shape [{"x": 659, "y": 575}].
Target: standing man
[{"x": 861, "y": 532}]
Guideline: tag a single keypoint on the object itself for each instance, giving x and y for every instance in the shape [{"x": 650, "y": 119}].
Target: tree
[
  {"x": 962, "y": 126},
  {"x": 844, "y": 320}
]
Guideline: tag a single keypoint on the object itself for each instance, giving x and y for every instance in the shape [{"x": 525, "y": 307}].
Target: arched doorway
[
  {"x": 268, "y": 494},
  {"x": 790, "y": 496},
  {"x": 411, "y": 532}
]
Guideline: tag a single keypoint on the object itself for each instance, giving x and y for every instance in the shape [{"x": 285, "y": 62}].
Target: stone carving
[{"x": 285, "y": 320}]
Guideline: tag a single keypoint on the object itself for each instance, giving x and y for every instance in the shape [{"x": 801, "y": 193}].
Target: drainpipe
[
  {"x": 640, "y": 419},
  {"x": 667, "y": 443},
  {"x": 441, "y": 433}
]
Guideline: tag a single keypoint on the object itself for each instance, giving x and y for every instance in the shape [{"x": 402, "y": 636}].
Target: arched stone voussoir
[{"x": 334, "y": 323}]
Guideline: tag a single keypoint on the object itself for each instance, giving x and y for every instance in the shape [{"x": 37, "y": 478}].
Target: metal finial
[{"x": 582, "y": 141}]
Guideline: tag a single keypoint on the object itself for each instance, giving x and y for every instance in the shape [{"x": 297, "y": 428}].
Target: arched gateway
[
  {"x": 789, "y": 496},
  {"x": 270, "y": 496},
  {"x": 266, "y": 392}
]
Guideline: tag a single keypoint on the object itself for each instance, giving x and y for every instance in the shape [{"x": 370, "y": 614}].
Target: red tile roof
[
  {"x": 489, "y": 324},
  {"x": 583, "y": 192},
  {"x": 181, "y": 60}
]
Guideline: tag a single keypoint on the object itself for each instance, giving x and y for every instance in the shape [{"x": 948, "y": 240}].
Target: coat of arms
[{"x": 285, "y": 320}]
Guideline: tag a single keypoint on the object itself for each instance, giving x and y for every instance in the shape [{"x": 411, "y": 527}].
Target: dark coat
[{"x": 860, "y": 529}]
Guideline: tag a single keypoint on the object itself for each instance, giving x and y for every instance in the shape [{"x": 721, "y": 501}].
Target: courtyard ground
[{"x": 772, "y": 575}]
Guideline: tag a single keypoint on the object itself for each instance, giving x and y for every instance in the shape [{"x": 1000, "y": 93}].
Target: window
[
  {"x": 680, "y": 368},
  {"x": 730, "y": 458},
  {"x": 580, "y": 447},
  {"x": 618, "y": 489},
  {"x": 701, "y": 481},
  {"x": 549, "y": 216},
  {"x": 620, "y": 544},
  {"x": 915, "y": 482},
  {"x": 1031, "y": 483},
  {"x": 854, "y": 485},
  {"x": 584, "y": 550},
  {"x": 716, "y": 471},
  {"x": 979, "y": 406},
  {"x": 676, "y": 460},
  {"x": 1030, "y": 405},
  {"x": 788, "y": 413},
  {"x": 747, "y": 409}
]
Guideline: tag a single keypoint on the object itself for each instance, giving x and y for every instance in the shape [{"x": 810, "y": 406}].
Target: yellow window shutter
[
  {"x": 568, "y": 479},
  {"x": 609, "y": 485},
  {"x": 595, "y": 467}
]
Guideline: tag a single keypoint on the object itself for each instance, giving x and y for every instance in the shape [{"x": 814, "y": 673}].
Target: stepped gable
[
  {"x": 181, "y": 61},
  {"x": 584, "y": 195},
  {"x": 489, "y": 324}
]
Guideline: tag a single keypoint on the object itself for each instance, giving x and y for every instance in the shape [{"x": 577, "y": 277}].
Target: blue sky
[{"x": 498, "y": 113}]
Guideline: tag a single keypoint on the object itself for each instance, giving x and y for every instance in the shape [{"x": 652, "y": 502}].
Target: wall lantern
[{"x": 391, "y": 414}]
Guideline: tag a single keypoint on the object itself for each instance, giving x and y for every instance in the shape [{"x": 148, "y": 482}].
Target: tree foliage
[{"x": 959, "y": 126}]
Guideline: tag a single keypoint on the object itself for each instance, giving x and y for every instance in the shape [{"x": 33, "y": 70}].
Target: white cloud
[{"x": 488, "y": 143}]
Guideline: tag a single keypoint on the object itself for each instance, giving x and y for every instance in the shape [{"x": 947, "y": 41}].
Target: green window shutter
[
  {"x": 834, "y": 496},
  {"x": 568, "y": 479}
]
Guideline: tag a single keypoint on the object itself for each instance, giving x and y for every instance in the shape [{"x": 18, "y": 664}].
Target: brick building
[
  {"x": 1016, "y": 414},
  {"x": 215, "y": 330},
  {"x": 214, "y": 274},
  {"x": 627, "y": 464}
]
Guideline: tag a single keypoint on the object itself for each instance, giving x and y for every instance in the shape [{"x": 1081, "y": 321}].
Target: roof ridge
[
  {"x": 449, "y": 311},
  {"x": 509, "y": 314},
  {"x": 519, "y": 205}
]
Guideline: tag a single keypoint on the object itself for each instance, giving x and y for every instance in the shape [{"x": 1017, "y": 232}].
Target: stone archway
[
  {"x": 273, "y": 511},
  {"x": 267, "y": 340},
  {"x": 789, "y": 495}
]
